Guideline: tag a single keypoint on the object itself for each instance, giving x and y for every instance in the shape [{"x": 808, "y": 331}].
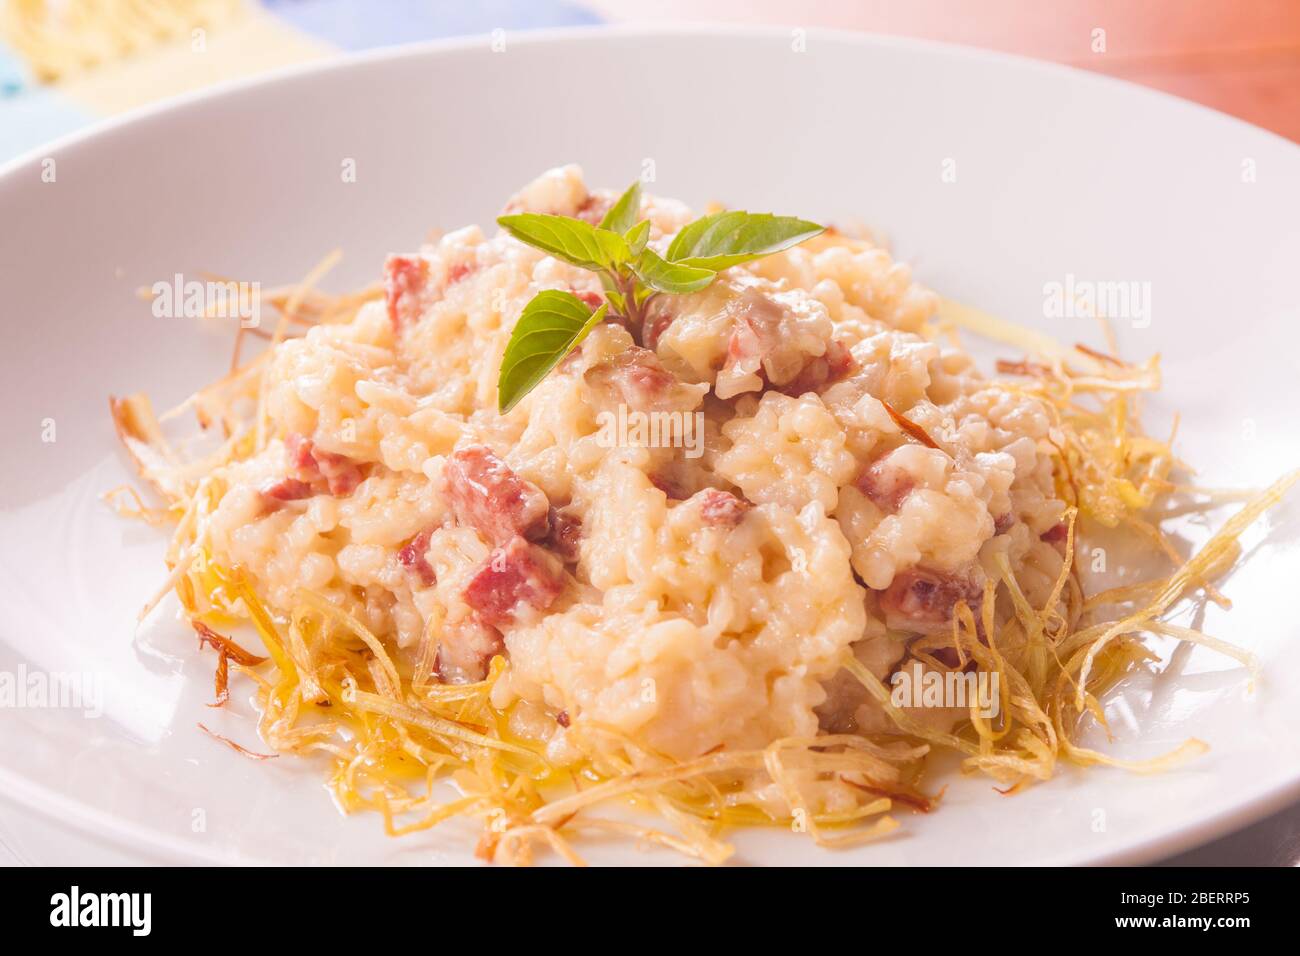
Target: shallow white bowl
[{"x": 1057, "y": 173}]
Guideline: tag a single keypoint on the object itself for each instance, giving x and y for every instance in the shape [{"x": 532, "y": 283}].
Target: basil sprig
[
  {"x": 632, "y": 274},
  {"x": 551, "y": 326}
]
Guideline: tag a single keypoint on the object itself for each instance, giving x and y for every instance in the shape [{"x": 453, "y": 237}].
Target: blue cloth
[
  {"x": 36, "y": 115},
  {"x": 32, "y": 113}
]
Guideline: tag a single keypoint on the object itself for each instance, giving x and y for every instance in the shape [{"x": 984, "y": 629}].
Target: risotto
[{"x": 711, "y": 542}]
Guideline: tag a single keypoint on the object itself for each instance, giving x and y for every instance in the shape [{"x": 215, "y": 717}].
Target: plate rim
[{"x": 345, "y": 60}]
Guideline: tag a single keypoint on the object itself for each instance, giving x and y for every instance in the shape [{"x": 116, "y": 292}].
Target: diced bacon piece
[
  {"x": 593, "y": 300},
  {"x": 1056, "y": 534},
  {"x": 564, "y": 535},
  {"x": 886, "y": 485},
  {"x": 636, "y": 378},
  {"x": 822, "y": 370},
  {"x": 1003, "y": 523},
  {"x": 657, "y": 320},
  {"x": 459, "y": 271},
  {"x": 755, "y": 334},
  {"x": 299, "y": 449},
  {"x": 287, "y": 489},
  {"x": 409, "y": 289},
  {"x": 414, "y": 558},
  {"x": 465, "y": 651},
  {"x": 764, "y": 343},
  {"x": 720, "y": 509},
  {"x": 514, "y": 578},
  {"x": 406, "y": 280},
  {"x": 919, "y": 599},
  {"x": 488, "y": 496},
  {"x": 669, "y": 486},
  {"x": 750, "y": 341},
  {"x": 340, "y": 473}
]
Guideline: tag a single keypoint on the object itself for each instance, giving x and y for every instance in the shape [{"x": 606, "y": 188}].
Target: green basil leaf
[
  {"x": 622, "y": 215},
  {"x": 551, "y": 326},
  {"x": 576, "y": 242},
  {"x": 726, "y": 239},
  {"x": 676, "y": 278},
  {"x": 637, "y": 237}
]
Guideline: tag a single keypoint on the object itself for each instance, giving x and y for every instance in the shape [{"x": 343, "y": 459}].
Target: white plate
[{"x": 1058, "y": 173}]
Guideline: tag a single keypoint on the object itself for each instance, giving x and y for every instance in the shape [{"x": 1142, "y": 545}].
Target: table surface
[
  {"x": 1241, "y": 57},
  {"x": 1238, "y": 56}
]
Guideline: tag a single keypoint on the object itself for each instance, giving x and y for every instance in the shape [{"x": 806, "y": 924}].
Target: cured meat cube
[
  {"x": 414, "y": 558},
  {"x": 486, "y": 495},
  {"x": 406, "y": 281},
  {"x": 923, "y": 600},
  {"x": 720, "y": 508},
  {"x": 514, "y": 579}
]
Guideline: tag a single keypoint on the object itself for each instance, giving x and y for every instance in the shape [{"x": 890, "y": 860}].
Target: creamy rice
[{"x": 688, "y": 603}]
